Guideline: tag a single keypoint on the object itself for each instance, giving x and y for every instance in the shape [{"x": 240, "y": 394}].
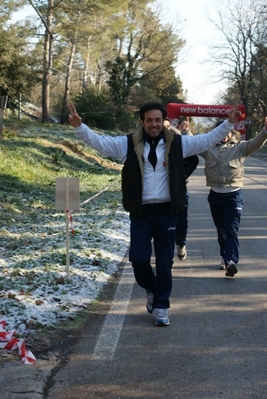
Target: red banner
[
  {"x": 174, "y": 111},
  {"x": 219, "y": 111}
]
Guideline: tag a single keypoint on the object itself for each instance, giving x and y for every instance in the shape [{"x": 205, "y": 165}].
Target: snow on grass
[{"x": 34, "y": 289}]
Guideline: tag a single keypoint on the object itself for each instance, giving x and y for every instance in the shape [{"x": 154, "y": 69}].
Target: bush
[{"x": 95, "y": 108}]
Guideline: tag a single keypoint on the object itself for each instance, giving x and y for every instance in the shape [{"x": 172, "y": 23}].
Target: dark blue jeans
[
  {"x": 162, "y": 230},
  {"x": 182, "y": 224},
  {"x": 226, "y": 210}
]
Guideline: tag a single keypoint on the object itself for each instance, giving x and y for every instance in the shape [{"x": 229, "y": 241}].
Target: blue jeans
[
  {"x": 226, "y": 210},
  {"x": 182, "y": 224},
  {"x": 162, "y": 230}
]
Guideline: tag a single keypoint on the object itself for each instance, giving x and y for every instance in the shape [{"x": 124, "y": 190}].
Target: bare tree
[
  {"x": 241, "y": 25},
  {"x": 145, "y": 59}
]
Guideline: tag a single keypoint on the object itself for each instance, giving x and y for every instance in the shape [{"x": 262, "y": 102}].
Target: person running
[
  {"x": 182, "y": 217},
  {"x": 224, "y": 171},
  {"x": 153, "y": 192}
]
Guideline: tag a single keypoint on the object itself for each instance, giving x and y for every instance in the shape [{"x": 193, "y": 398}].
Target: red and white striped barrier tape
[
  {"x": 9, "y": 342},
  {"x": 71, "y": 221},
  {"x": 7, "y": 339}
]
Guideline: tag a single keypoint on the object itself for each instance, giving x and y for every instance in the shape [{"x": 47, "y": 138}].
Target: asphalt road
[{"x": 216, "y": 344}]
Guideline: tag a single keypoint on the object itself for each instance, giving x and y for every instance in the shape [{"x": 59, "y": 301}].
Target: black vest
[{"x": 132, "y": 179}]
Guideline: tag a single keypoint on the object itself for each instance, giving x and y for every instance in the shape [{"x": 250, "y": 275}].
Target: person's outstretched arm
[
  {"x": 256, "y": 142},
  {"x": 202, "y": 142},
  {"x": 115, "y": 147}
]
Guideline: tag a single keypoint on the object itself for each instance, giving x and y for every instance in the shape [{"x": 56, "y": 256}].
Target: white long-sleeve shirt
[{"x": 155, "y": 187}]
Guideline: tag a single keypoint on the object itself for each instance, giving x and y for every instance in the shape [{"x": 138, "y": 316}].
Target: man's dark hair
[{"x": 149, "y": 106}]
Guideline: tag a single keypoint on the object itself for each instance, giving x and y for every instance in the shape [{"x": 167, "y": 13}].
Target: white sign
[{"x": 67, "y": 194}]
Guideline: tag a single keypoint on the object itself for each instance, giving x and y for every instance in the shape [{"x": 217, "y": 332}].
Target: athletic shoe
[
  {"x": 222, "y": 265},
  {"x": 231, "y": 269},
  {"x": 182, "y": 252},
  {"x": 149, "y": 301},
  {"x": 161, "y": 317}
]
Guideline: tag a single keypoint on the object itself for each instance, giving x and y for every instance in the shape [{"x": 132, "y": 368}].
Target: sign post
[{"x": 67, "y": 199}]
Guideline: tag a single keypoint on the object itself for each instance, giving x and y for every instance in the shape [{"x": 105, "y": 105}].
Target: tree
[
  {"x": 144, "y": 64},
  {"x": 7, "y": 7},
  {"x": 45, "y": 10},
  {"x": 18, "y": 72},
  {"x": 68, "y": 22},
  {"x": 81, "y": 28},
  {"x": 241, "y": 51},
  {"x": 95, "y": 108},
  {"x": 259, "y": 84},
  {"x": 84, "y": 41}
]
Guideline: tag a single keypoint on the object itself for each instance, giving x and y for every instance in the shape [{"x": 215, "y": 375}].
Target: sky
[{"x": 198, "y": 32}]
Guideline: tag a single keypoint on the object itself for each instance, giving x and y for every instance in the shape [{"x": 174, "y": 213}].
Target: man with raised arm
[{"x": 153, "y": 191}]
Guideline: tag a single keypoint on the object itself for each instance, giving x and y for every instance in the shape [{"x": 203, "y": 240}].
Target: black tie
[
  {"x": 153, "y": 142},
  {"x": 152, "y": 156}
]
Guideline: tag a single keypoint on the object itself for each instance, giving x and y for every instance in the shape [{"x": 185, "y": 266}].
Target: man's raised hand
[
  {"x": 74, "y": 119},
  {"x": 234, "y": 114}
]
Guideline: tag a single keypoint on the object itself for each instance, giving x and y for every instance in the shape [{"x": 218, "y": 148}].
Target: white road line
[{"x": 109, "y": 336}]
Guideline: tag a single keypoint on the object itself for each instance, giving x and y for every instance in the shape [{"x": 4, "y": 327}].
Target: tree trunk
[
  {"x": 48, "y": 47},
  {"x": 63, "y": 117}
]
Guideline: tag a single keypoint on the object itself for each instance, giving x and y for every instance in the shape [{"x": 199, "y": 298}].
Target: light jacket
[{"x": 224, "y": 163}]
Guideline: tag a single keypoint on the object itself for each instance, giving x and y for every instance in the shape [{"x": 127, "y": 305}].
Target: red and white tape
[
  {"x": 9, "y": 342},
  {"x": 71, "y": 221}
]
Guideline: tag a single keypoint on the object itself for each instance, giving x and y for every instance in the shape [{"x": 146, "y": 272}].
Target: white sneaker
[
  {"x": 231, "y": 268},
  {"x": 161, "y": 317},
  {"x": 222, "y": 265},
  {"x": 182, "y": 253}
]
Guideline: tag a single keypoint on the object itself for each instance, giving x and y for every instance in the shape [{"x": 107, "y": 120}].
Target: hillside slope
[{"x": 34, "y": 289}]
